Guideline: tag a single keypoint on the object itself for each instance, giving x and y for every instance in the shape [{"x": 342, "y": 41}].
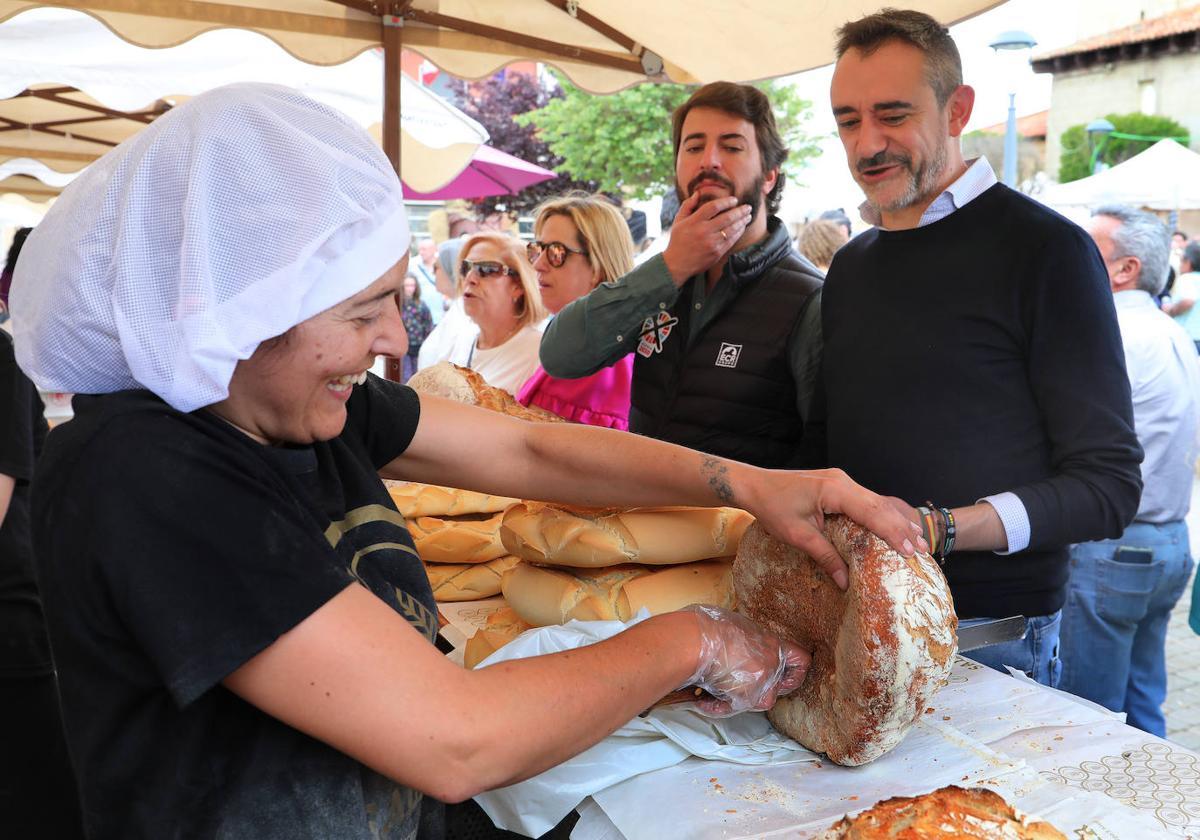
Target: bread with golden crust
[
  {"x": 414, "y": 499},
  {"x": 949, "y": 812},
  {"x": 468, "y": 581},
  {"x": 880, "y": 650},
  {"x": 543, "y": 596},
  {"x": 557, "y": 535},
  {"x": 502, "y": 627},
  {"x": 464, "y": 385},
  {"x": 474, "y": 538}
]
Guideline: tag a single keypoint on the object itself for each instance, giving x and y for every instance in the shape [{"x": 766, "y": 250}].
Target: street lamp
[
  {"x": 1098, "y": 132},
  {"x": 1011, "y": 42}
]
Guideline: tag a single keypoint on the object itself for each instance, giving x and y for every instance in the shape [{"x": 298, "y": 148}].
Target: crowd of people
[{"x": 241, "y": 626}]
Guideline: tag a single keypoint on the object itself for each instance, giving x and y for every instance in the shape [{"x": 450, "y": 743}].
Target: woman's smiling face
[{"x": 293, "y": 389}]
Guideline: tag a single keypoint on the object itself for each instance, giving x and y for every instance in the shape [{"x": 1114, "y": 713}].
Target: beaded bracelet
[
  {"x": 929, "y": 528},
  {"x": 948, "y": 531}
]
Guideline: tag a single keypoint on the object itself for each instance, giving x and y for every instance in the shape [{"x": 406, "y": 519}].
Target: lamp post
[
  {"x": 1012, "y": 42},
  {"x": 1098, "y": 132}
]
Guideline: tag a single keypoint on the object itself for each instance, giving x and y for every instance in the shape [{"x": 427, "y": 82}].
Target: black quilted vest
[{"x": 729, "y": 390}]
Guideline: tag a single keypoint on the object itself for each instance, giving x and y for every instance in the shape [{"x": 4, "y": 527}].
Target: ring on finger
[{"x": 724, "y": 235}]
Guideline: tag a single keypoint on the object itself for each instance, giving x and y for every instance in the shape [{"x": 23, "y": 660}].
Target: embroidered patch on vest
[
  {"x": 728, "y": 355},
  {"x": 654, "y": 332}
]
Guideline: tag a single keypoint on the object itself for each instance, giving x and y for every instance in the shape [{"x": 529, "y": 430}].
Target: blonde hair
[
  {"x": 512, "y": 252},
  {"x": 819, "y": 241},
  {"x": 602, "y": 229}
]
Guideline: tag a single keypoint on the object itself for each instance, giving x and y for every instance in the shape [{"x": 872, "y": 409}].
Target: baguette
[
  {"x": 502, "y": 627},
  {"x": 555, "y": 535},
  {"x": 468, "y": 581},
  {"x": 465, "y": 539},
  {"x": 466, "y": 386},
  {"x": 543, "y": 596},
  {"x": 414, "y": 499}
]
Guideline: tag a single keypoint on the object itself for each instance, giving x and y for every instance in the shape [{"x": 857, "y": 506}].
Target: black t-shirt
[
  {"x": 24, "y": 649},
  {"x": 175, "y": 549}
]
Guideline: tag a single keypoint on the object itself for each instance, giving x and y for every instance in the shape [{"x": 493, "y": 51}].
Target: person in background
[
  {"x": 1186, "y": 292},
  {"x": 454, "y": 334},
  {"x": 725, "y": 323},
  {"x": 666, "y": 218},
  {"x": 819, "y": 240},
  {"x": 1122, "y": 590},
  {"x": 425, "y": 272},
  {"x": 38, "y": 797},
  {"x": 244, "y": 628},
  {"x": 582, "y": 241},
  {"x": 992, "y": 309},
  {"x": 500, "y": 295},
  {"x": 14, "y": 251},
  {"x": 1179, "y": 241},
  {"x": 417, "y": 323},
  {"x": 838, "y": 217}
]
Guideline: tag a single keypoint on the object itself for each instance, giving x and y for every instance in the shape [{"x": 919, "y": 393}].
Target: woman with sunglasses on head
[
  {"x": 582, "y": 241},
  {"x": 499, "y": 294}
]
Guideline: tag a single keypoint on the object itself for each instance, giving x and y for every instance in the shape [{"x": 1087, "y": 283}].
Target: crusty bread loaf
[
  {"x": 879, "y": 650},
  {"x": 949, "y": 812},
  {"x": 545, "y": 596},
  {"x": 414, "y": 499},
  {"x": 466, "y": 386},
  {"x": 463, "y": 539},
  {"x": 468, "y": 581},
  {"x": 561, "y": 536},
  {"x": 502, "y": 627}
]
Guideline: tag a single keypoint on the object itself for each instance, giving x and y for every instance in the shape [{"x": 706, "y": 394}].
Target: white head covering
[{"x": 226, "y": 222}]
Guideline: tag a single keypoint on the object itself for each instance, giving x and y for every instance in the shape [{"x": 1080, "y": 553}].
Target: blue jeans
[
  {"x": 1114, "y": 631},
  {"x": 1036, "y": 654}
]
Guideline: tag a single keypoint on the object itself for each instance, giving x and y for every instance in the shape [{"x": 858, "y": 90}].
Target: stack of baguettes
[{"x": 555, "y": 563}]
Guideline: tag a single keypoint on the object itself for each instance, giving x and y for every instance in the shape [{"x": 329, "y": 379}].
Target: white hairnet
[{"x": 226, "y": 222}]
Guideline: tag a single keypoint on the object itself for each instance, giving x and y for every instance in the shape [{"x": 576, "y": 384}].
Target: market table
[{"x": 1050, "y": 754}]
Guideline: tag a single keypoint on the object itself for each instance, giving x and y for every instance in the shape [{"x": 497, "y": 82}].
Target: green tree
[
  {"x": 622, "y": 141},
  {"x": 1076, "y": 159}
]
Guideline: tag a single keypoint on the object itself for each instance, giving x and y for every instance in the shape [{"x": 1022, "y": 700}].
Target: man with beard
[
  {"x": 972, "y": 354},
  {"x": 725, "y": 323}
]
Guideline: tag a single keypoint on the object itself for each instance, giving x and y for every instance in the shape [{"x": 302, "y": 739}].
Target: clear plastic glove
[{"x": 741, "y": 665}]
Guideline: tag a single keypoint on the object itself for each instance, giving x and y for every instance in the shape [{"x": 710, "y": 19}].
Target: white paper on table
[{"x": 663, "y": 738}]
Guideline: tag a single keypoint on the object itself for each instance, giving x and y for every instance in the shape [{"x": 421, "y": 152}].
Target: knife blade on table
[{"x": 991, "y": 632}]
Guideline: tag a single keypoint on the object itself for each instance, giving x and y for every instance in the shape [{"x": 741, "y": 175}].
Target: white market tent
[
  {"x": 602, "y": 45},
  {"x": 1165, "y": 176}
]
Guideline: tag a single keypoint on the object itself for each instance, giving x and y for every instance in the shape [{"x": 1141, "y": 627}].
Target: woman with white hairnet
[{"x": 242, "y": 627}]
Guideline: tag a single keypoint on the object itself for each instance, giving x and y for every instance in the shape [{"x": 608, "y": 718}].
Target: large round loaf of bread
[
  {"x": 879, "y": 650},
  {"x": 950, "y": 812},
  {"x": 466, "y": 386}
]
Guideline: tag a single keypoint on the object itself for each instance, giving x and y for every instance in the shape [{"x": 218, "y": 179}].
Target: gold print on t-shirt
[{"x": 413, "y": 610}]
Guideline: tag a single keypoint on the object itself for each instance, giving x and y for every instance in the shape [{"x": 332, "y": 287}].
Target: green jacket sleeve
[{"x": 602, "y": 327}]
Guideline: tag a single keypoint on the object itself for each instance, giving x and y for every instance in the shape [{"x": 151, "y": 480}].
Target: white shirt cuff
[{"x": 1013, "y": 517}]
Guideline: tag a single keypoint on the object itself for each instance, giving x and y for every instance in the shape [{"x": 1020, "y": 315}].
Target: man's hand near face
[{"x": 703, "y": 234}]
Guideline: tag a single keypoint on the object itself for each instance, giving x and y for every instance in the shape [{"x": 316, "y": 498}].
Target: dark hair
[
  {"x": 752, "y": 105},
  {"x": 943, "y": 66},
  {"x": 838, "y": 217},
  {"x": 10, "y": 264},
  {"x": 1191, "y": 253},
  {"x": 416, "y": 292}
]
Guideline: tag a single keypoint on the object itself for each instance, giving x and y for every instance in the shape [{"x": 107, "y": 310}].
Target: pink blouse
[{"x": 601, "y": 399}]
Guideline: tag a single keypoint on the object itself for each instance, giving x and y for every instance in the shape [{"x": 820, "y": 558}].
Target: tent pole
[{"x": 393, "y": 27}]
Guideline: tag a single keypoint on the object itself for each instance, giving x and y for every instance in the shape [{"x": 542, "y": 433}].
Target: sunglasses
[
  {"x": 556, "y": 252},
  {"x": 484, "y": 269}
]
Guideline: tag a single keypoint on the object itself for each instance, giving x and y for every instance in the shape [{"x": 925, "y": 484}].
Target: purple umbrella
[{"x": 490, "y": 172}]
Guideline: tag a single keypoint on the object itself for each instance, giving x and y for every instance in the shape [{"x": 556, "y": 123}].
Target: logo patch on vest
[
  {"x": 728, "y": 355},
  {"x": 654, "y": 332}
]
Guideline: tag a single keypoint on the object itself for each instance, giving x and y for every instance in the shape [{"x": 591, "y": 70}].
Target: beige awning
[{"x": 602, "y": 45}]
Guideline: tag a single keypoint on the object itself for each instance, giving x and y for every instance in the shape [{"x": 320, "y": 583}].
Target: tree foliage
[
  {"x": 1076, "y": 159},
  {"x": 495, "y": 103},
  {"x": 622, "y": 141}
]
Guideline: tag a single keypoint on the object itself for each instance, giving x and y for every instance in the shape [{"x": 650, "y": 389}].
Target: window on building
[{"x": 1147, "y": 97}]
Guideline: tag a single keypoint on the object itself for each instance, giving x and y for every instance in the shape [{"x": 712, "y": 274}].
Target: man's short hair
[
  {"x": 838, "y": 217},
  {"x": 1191, "y": 253},
  {"x": 752, "y": 105},
  {"x": 943, "y": 66},
  {"x": 1141, "y": 235}
]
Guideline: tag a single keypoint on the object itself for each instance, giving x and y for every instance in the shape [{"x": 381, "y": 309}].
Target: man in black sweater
[{"x": 972, "y": 355}]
